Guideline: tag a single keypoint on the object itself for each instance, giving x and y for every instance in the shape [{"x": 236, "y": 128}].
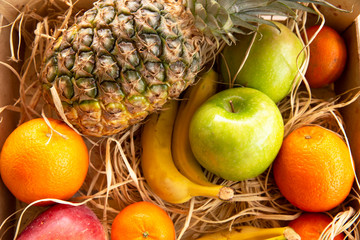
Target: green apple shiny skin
[
  {"x": 272, "y": 64},
  {"x": 237, "y": 142}
]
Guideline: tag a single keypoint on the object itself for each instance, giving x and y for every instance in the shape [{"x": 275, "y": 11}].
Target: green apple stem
[{"x": 232, "y": 106}]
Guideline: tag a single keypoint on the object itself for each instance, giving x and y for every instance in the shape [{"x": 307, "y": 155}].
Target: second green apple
[
  {"x": 272, "y": 64},
  {"x": 237, "y": 133}
]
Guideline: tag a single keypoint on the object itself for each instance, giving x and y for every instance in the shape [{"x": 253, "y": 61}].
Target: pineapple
[{"x": 123, "y": 59}]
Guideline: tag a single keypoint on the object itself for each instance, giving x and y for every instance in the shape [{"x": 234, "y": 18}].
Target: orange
[
  {"x": 328, "y": 56},
  {"x": 142, "y": 220},
  {"x": 36, "y": 163},
  {"x": 310, "y": 226},
  {"x": 313, "y": 169}
]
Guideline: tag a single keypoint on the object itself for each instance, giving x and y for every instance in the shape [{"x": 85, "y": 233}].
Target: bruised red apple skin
[{"x": 64, "y": 222}]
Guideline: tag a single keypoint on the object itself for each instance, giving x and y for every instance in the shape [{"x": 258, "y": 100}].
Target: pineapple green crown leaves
[{"x": 223, "y": 18}]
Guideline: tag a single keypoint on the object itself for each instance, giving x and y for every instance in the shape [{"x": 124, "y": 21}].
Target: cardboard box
[{"x": 348, "y": 24}]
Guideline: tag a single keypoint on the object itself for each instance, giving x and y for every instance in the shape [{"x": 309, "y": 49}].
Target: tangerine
[
  {"x": 310, "y": 226},
  {"x": 142, "y": 220},
  {"x": 37, "y": 163},
  {"x": 313, "y": 169},
  {"x": 328, "y": 56}
]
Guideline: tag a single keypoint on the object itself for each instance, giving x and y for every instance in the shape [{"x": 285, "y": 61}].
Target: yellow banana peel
[
  {"x": 183, "y": 157},
  {"x": 253, "y": 233}
]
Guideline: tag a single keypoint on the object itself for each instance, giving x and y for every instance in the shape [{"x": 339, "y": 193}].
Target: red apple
[{"x": 64, "y": 222}]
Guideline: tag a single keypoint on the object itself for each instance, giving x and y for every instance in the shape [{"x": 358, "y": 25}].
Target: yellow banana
[
  {"x": 158, "y": 167},
  {"x": 253, "y": 233},
  {"x": 181, "y": 151}
]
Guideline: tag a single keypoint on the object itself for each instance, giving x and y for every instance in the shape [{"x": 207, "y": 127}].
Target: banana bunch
[
  {"x": 253, "y": 233},
  {"x": 157, "y": 162}
]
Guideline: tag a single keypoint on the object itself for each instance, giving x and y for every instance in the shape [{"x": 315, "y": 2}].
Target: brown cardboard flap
[
  {"x": 341, "y": 20},
  {"x": 350, "y": 80}
]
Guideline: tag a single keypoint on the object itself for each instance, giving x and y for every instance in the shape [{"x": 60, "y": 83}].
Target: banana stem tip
[
  {"x": 290, "y": 234},
  {"x": 226, "y": 193}
]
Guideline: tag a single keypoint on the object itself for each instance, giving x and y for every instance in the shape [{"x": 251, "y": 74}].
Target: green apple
[
  {"x": 272, "y": 64},
  {"x": 237, "y": 133}
]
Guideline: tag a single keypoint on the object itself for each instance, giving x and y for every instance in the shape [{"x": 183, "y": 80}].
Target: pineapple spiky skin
[
  {"x": 123, "y": 59},
  {"x": 120, "y": 61}
]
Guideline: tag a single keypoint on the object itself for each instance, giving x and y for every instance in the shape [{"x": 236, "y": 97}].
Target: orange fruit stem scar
[{"x": 146, "y": 234}]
